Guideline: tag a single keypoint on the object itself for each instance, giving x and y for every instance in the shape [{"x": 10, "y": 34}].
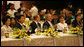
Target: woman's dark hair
[
  {"x": 61, "y": 17},
  {"x": 5, "y": 19},
  {"x": 11, "y": 4}
]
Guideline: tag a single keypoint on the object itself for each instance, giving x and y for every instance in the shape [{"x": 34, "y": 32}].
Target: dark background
[
  {"x": 59, "y": 4},
  {"x": 56, "y": 4}
]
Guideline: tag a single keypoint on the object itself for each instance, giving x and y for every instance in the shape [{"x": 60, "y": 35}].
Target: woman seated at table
[
  {"x": 77, "y": 21},
  {"x": 62, "y": 24},
  {"x": 6, "y": 27}
]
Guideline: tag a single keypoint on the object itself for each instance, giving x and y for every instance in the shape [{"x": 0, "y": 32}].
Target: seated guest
[
  {"x": 68, "y": 18},
  {"x": 77, "y": 21},
  {"x": 6, "y": 27},
  {"x": 62, "y": 24},
  {"x": 12, "y": 24},
  {"x": 47, "y": 24},
  {"x": 55, "y": 20},
  {"x": 35, "y": 24},
  {"x": 20, "y": 22},
  {"x": 12, "y": 10}
]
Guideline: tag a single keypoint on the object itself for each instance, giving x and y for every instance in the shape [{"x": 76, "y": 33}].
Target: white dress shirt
[
  {"x": 11, "y": 12},
  {"x": 4, "y": 29},
  {"x": 61, "y": 26}
]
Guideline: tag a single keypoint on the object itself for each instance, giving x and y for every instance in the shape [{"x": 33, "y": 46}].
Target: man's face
[
  {"x": 49, "y": 17},
  {"x": 8, "y": 22},
  {"x": 64, "y": 11},
  {"x": 78, "y": 18},
  {"x": 22, "y": 19},
  {"x": 38, "y": 19}
]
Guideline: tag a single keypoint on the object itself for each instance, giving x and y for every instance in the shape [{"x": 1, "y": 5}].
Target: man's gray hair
[{"x": 47, "y": 15}]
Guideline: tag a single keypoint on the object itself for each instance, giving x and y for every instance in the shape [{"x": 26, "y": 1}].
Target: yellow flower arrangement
[
  {"x": 51, "y": 32},
  {"x": 20, "y": 34},
  {"x": 76, "y": 30}
]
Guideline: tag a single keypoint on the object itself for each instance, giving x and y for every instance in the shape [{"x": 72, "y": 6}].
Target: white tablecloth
[{"x": 41, "y": 40}]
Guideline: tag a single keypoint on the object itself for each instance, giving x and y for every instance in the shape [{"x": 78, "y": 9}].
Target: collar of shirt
[
  {"x": 20, "y": 23},
  {"x": 36, "y": 22}
]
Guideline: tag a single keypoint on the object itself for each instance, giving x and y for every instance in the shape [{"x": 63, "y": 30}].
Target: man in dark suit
[
  {"x": 19, "y": 24},
  {"x": 35, "y": 24},
  {"x": 47, "y": 24}
]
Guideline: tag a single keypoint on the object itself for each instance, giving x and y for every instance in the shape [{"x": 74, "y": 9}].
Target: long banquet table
[{"x": 41, "y": 40}]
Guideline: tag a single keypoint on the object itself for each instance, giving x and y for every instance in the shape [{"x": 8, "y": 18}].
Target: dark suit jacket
[
  {"x": 17, "y": 25},
  {"x": 33, "y": 25},
  {"x": 46, "y": 24},
  {"x": 74, "y": 23}
]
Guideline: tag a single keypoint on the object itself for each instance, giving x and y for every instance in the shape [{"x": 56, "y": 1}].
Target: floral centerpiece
[
  {"x": 52, "y": 33},
  {"x": 21, "y": 34},
  {"x": 77, "y": 31}
]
